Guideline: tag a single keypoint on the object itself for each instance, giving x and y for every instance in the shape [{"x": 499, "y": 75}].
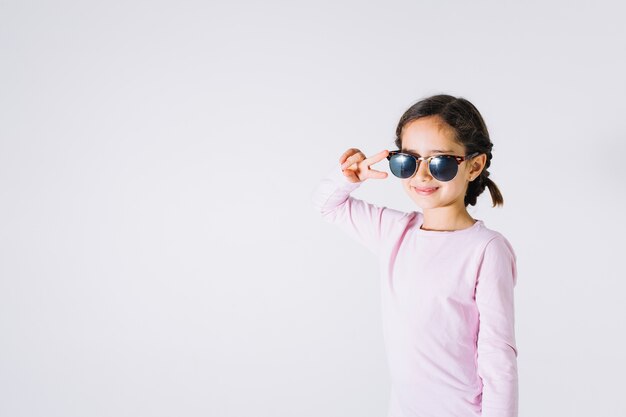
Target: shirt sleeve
[
  {"x": 497, "y": 351},
  {"x": 364, "y": 222}
]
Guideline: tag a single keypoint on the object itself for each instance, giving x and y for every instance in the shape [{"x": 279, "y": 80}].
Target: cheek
[
  {"x": 465, "y": 171},
  {"x": 458, "y": 185}
]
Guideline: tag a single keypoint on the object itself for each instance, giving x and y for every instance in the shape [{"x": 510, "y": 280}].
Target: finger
[
  {"x": 346, "y": 154},
  {"x": 347, "y": 164},
  {"x": 351, "y": 175},
  {"x": 379, "y": 175},
  {"x": 368, "y": 162},
  {"x": 377, "y": 157},
  {"x": 352, "y": 160}
]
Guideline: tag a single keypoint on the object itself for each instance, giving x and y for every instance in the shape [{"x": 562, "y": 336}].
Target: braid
[{"x": 478, "y": 185}]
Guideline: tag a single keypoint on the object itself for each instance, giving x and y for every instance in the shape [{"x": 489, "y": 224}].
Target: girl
[{"x": 446, "y": 279}]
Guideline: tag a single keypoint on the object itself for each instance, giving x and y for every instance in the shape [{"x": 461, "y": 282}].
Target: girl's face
[{"x": 428, "y": 136}]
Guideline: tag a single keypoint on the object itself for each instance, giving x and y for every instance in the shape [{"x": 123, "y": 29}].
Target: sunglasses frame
[{"x": 428, "y": 159}]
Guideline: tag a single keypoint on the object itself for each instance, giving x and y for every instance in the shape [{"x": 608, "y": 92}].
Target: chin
[{"x": 426, "y": 206}]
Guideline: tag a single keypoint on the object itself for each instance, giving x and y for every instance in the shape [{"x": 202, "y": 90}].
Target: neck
[{"x": 447, "y": 218}]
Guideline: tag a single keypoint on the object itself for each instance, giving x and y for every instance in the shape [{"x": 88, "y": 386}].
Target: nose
[{"x": 422, "y": 174}]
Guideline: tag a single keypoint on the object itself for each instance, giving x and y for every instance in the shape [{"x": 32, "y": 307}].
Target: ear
[{"x": 477, "y": 165}]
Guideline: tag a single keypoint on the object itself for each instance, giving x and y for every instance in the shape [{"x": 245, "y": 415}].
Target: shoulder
[
  {"x": 397, "y": 221},
  {"x": 495, "y": 253},
  {"x": 395, "y": 224},
  {"x": 493, "y": 240},
  {"x": 398, "y": 218},
  {"x": 498, "y": 256},
  {"x": 491, "y": 247}
]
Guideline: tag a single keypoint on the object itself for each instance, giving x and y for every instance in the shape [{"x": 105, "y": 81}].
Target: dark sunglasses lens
[
  {"x": 402, "y": 166},
  {"x": 443, "y": 169}
]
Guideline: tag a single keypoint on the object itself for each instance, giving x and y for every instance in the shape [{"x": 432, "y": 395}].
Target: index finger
[{"x": 377, "y": 157}]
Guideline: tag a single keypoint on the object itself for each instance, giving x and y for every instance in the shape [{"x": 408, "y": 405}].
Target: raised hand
[{"x": 356, "y": 166}]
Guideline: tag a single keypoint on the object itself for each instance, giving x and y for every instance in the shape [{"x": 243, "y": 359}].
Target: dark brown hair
[{"x": 470, "y": 131}]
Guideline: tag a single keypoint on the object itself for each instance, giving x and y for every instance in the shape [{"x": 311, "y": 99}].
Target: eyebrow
[{"x": 434, "y": 151}]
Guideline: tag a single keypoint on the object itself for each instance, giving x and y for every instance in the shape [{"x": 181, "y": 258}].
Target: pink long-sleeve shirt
[{"x": 447, "y": 307}]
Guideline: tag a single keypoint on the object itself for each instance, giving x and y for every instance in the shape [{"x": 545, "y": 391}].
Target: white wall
[{"x": 159, "y": 254}]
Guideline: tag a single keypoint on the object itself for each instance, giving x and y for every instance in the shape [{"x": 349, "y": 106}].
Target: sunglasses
[{"x": 441, "y": 167}]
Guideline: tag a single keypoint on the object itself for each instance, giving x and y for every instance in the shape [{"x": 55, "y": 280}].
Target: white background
[{"x": 159, "y": 253}]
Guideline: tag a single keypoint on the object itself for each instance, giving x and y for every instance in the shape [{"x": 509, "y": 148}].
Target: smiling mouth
[{"x": 425, "y": 191}]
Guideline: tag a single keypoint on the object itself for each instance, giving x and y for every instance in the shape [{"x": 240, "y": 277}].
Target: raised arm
[
  {"x": 364, "y": 222},
  {"x": 497, "y": 351}
]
